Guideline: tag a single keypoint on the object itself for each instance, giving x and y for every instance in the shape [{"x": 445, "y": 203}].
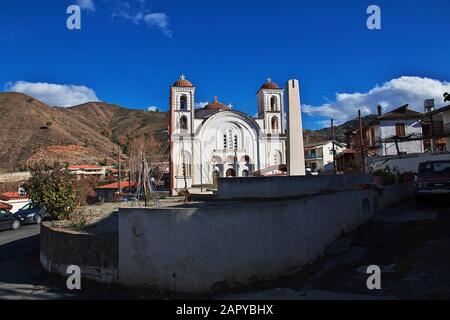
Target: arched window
[
  {"x": 273, "y": 104},
  {"x": 275, "y": 158},
  {"x": 183, "y": 123},
  {"x": 183, "y": 103},
  {"x": 274, "y": 123}
]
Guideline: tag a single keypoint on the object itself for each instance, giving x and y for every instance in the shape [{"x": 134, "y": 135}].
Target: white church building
[{"x": 217, "y": 141}]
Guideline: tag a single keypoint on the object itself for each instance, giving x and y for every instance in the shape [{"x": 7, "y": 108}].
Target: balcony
[{"x": 314, "y": 156}]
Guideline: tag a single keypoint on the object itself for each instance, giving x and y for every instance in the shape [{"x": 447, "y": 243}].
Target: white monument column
[{"x": 295, "y": 147}]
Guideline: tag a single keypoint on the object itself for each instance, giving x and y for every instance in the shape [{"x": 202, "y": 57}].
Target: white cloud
[
  {"x": 86, "y": 4},
  {"x": 393, "y": 93},
  {"x": 160, "y": 20},
  {"x": 62, "y": 95},
  {"x": 152, "y": 109},
  {"x": 139, "y": 14}
]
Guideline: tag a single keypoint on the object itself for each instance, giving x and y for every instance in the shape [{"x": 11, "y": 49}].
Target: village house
[
  {"x": 397, "y": 132},
  {"x": 14, "y": 199},
  {"x": 319, "y": 155},
  {"x": 113, "y": 191},
  {"x": 438, "y": 127},
  {"x": 86, "y": 171}
]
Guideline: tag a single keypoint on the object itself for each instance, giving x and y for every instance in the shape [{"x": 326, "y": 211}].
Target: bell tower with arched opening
[
  {"x": 182, "y": 101},
  {"x": 271, "y": 107}
]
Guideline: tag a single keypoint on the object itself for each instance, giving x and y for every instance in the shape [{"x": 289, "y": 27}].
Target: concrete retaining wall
[
  {"x": 227, "y": 244},
  {"x": 268, "y": 187},
  {"x": 96, "y": 256}
]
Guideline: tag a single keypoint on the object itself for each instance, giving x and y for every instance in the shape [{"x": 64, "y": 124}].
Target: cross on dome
[
  {"x": 183, "y": 77},
  {"x": 269, "y": 80}
]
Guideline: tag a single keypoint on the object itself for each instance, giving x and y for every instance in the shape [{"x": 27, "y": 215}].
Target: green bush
[{"x": 55, "y": 189}]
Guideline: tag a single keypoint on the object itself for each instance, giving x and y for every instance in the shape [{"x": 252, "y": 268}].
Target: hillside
[
  {"x": 312, "y": 136},
  {"x": 31, "y": 130},
  {"x": 90, "y": 133}
]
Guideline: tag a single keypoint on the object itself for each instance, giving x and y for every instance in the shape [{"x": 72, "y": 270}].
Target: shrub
[
  {"x": 53, "y": 188},
  {"x": 389, "y": 177}
]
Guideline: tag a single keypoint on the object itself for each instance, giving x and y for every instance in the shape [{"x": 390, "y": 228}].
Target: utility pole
[
  {"x": 361, "y": 139},
  {"x": 334, "y": 150},
  {"x": 120, "y": 170}
]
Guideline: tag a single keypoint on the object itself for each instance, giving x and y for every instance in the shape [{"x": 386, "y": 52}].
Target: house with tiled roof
[
  {"x": 15, "y": 199},
  {"x": 111, "y": 192},
  {"x": 85, "y": 171},
  {"x": 395, "y": 132}
]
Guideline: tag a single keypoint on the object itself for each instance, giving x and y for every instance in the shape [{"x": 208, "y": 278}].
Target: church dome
[
  {"x": 182, "y": 82},
  {"x": 270, "y": 85},
  {"x": 216, "y": 105}
]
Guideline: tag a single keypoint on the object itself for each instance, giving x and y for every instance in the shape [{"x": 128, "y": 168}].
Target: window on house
[
  {"x": 400, "y": 129},
  {"x": 235, "y": 142},
  {"x": 225, "y": 141},
  {"x": 183, "y": 103}
]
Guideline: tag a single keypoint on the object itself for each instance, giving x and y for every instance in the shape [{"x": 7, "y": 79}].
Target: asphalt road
[
  {"x": 23, "y": 233},
  {"x": 21, "y": 275}
]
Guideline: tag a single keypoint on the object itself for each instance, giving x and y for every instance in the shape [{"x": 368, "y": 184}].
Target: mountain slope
[{"x": 30, "y": 130}]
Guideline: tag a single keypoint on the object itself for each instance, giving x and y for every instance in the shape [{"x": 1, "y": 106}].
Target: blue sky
[{"x": 130, "y": 52}]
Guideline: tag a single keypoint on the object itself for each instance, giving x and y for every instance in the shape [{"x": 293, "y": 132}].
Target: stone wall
[{"x": 97, "y": 256}]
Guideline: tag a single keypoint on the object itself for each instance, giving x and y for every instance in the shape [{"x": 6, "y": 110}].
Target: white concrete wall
[
  {"x": 198, "y": 250},
  {"x": 268, "y": 187},
  {"x": 17, "y": 204}
]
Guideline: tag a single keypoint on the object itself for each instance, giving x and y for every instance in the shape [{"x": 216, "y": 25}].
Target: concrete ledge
[
  {"x": 229, "y": 244},
  {"x": 96, "y": 256},
  {"x": 289, "y": 186}
]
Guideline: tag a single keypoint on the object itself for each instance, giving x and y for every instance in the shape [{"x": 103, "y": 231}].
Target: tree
[
  {"x": 55, "y": 189},
  {"x": 446, "y": 97}
]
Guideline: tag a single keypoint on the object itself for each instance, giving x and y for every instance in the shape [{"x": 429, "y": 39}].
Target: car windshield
[{"x": 429, "y": 168}]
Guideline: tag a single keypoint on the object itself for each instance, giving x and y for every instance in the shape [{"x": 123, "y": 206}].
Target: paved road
[
  {"x": 23, "y": 233},
  {"x": 21, "y": 275}
]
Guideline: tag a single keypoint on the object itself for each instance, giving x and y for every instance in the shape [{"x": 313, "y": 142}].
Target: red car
[{"x": 433, "y": 177}]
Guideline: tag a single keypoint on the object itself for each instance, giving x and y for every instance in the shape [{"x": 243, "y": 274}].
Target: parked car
[
  {"x": 30, "y": 214},
  {"x": 433, "y": 177},
  {"x": 127, "y": 198},
  {"x": 8, "y": 221}
]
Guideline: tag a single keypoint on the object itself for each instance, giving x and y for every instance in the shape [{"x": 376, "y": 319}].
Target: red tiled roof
[
  {"x": 5, "y": 206},
  {"x": 84, "y": 167},
  {"x": 7, "y": 196},
  {"x": 115, "y": 185}
]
